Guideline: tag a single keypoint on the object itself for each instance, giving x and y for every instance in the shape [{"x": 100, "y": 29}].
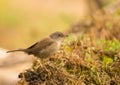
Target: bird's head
[{"x": 58, "y": 36}]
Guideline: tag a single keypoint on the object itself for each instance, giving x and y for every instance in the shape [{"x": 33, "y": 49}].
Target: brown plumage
[{"x": 45, "y": 47}]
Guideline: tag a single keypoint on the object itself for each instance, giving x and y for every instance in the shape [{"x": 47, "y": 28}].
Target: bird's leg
[
  {"x": 37, "y": 63},
  {"x": 45, "y": 63},
  {"x": 40, "y": 63}
]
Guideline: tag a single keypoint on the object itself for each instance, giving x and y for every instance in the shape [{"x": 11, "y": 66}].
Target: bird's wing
[
  {"x": 41, "y": 45},
  {"x": 32, "y": 46}
]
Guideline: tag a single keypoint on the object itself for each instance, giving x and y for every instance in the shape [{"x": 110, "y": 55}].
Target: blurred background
[{"x": 23, "y": 22}]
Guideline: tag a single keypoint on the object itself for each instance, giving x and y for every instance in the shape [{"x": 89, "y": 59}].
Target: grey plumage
[{"x": 45, "y": 47}]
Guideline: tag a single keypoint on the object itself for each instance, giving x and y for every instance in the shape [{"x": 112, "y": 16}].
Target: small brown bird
[{"x": 45, "y": 47}]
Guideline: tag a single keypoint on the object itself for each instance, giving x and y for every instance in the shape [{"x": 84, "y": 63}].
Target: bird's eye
[{"x": 59, "y": 34}]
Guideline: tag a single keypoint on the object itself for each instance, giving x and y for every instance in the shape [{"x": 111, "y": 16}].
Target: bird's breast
[{"x": 58, "y": 44}]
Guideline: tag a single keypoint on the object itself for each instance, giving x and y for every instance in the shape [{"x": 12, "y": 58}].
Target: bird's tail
[{"x": 16, "y": 50}]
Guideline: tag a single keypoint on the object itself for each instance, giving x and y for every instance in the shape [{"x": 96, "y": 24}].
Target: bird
[{"x": 46, "y": 47}]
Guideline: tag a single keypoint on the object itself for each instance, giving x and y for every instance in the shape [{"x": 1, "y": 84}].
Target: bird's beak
[{"x": 66, "y": 35}]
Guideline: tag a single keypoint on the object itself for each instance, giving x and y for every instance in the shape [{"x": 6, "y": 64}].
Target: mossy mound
[
  {"x": 93, "y": 58},
  {"x": 76, "y": 63}
]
